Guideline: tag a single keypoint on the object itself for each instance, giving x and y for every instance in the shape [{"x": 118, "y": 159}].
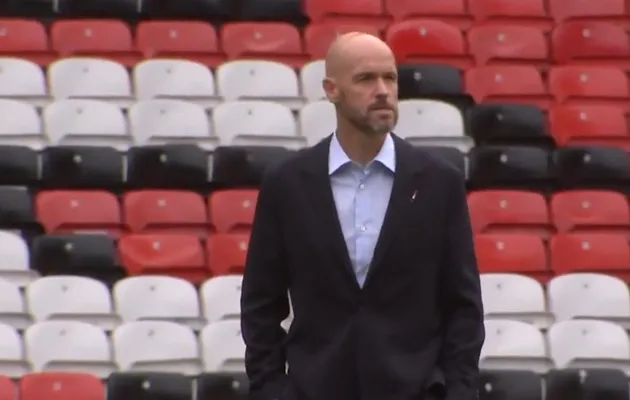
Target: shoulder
[{"x": 424, "y": 159}]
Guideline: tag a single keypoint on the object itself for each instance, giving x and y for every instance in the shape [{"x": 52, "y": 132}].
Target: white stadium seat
[
  {"x": 71, "y": 298},
  {"x": 589, "y": 344},
  {"x": 222, "y": 347},
  {"x": 21, "y": 124},
  {"x": 182, "y": 79},
  {"x": 256, "y": 122},
  {"x": 23, "y": 80},
  {"x": 157, "y": 298},
  {"x": 311, "y": 78},
  {"x": 72, "y": 346},
  {"x": 259, "y": 80},
  {"x": 86, "y": 122},
  {"x": 317, "y": 120},
  {"x": 12, "y": 308},
  {"x": 15, "y": 265},
  {"x": 515, "y": 297},
  {"x": 12, "y": 360},
  {"x": 161, "y": 121},
  {"x": 221, "y": 298},
  {"x": 514, "y": 345},
  {"x": 156, "y": 346},
  {"x": 432, "y": 122},
  {"x": 90, "y": 78}
]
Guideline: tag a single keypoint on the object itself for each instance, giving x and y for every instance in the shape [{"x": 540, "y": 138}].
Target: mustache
[{"x": 381, "y": 106}]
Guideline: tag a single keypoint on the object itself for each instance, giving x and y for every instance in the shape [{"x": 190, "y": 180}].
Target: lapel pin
[{"x": 413, "y": 196}]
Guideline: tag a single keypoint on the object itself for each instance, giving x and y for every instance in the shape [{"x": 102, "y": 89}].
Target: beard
[{"x": 367, "y": 121}]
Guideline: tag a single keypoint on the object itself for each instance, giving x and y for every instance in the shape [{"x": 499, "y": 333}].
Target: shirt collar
[{"x": 337, "y": 157}]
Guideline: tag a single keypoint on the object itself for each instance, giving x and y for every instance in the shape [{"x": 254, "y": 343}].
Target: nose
[{"x": 382, "y": 88}]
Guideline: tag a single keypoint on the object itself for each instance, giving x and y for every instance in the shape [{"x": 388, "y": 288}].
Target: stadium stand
[{"x": 134, "y": 134}]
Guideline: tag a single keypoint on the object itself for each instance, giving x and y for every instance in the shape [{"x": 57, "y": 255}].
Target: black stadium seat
[
  {"x": 18, "y": 166},
  {"x": 17, "y": 210},
  {"x": 422, "y": 80},
  {"x": 213, "y": 10},
  {"x": 271, "y": 10},
  {"x": 587, "y": 384},
  {"x": 245, "y": 165},
  {"x": 510, "y": 385},
  {"x": 149, "y": 386},
  {"x": 222, "y": 386},
  {"x": 449, "y": 154},
  {"x": 594, "y": 167},
  {"x": 124, "y": 9}
]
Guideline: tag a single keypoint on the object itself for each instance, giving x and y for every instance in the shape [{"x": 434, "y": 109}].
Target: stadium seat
[
  {"x": 592, "y": 383},
  {"x": 530, "y": 13},
  {"x": 221, "y": 298},
  {"x": 23, "y": 80},
  {"x": 436, "y": 81},
  {"x": 82, "y": 255},
  {"x": 427, "y": 41},
  {"x": 222, "y": 347},
  {"x": 584, "y": 295},
  {"x": 512, "y": 253},
  {"x": 610, "y": 11},
  {"x": 12, "y": 362},
  {"x": 226, "y": 253},
  {"x": 590, "y": 252},
  {"x": 262, "y": 10},
  {"x": 179, "y": 79},
  {"x": 25, "y": 39},
  {"x": 589, "y": 85},
  {"x": 272, "y": 41},
  {"x": 232, "y": 386},
  {"x": 514, "y": 297},
  {"x": 311, "y": 76},
  {"x": 20, "y": 124},
  {"x": 232, "y": 210},
  {"x": 69, "y": 346},
  {"x": 87, "y": 167},
  {"x": 319, "y": 36},
  {"x": 195, "y": 41},
  {"x": 245, "y": 165},
  {"x": 13, "y": 310},
  {"x": 589, "y": 125},
  {"x": 451, "y": 11},
  {"x": 212, "y": 10},
  {"x": 8, "y": 390},
  {"x": 85, "y": 122},
  {"x": 19, "y": 166},
  {"x": 71, "y": 298},
  {"x": 509, "y": 124},
  {"x": 451, "y": 155},
  {"x": 165, "y": 211},
  {"x": 259, "y": 80},
  {"x": 590, "y": 210},
  {"x": 513, "y": 345},
  {"x": 149, "y": 386},
  {"x": 15, "y": 266},
  {"x": 591, "y": 43},
  {"x": 156, "y": 346},
  {"x": 124, "y": 9},
  {"x": 157, "y": 298},
  {"x": 589, "y": 344},
  {"x": 432, "y": 122},
  {"x": 60, "y": 386},
  {"x": 516, "y": 384},
  {"x": 101, "y": 38},
  {"x": 594, "y": 167},
  {"x": 158, "y": 121},
  {"x": 508, "y": 45},
  {"x": 256, "y": 122},
  {"x": 509, "y": 167},
  {"x": 507, "y": 83},
  {"x": 90, "y": 78},
  {"x": 342, "y": 12},
  {"x": 176, "y": 255},
  {"x": 317, "y": 120},
  {"x": 16, "y": 210}
]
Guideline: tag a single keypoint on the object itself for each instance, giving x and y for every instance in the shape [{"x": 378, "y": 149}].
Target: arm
[
  {"x": 264, "y": 298},
  {"x": 460, "y": 293}
]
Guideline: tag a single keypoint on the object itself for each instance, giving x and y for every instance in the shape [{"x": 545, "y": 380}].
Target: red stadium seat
[
  {"x": 511, "y": 13},
  {"x": 8, "y": 390},
  {"x": 104, "y": 38},
  {"x": 589, "y": 125},
  {"x": 591, "y": 43},
  {"x": 226, "y": 253},
  {"x": 451, "y": 11},
  {"x": 75, "y": 211},
  {"x": 427, "y": 41},
  {"x": 175, "y": 255},
  {"x": 512, "y": 253},
  {"x": 61, "y": 386},
  {"x": 508, "y": 45},
  {"x": 269, "y": 40},
  {"x": 511, "y": 211},
  {"x": 590, "y": 210},
  {"x": 192, "y": 40},
  {"x": 507, "y": 83},
  {"x": 25, "y": 39},
  {"x": 165, "y": 211},
  {"x": 319, "y": 36},
  {"x": 368, "y": 12},
  {"x": 589, "y": 85},
  {"x": 232, "y": 210},
  {"x": 591, "y": 252},
  {"x": 603, "y": 10}
]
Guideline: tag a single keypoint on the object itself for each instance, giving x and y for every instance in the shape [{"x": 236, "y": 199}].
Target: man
[{"x": 372, "y": 239}]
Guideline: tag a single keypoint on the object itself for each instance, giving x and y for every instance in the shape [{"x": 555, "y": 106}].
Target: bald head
[{"x": 350, "y": 48}]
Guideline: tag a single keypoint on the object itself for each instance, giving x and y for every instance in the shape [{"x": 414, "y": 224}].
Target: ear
[{"x": 331, "y": 89}]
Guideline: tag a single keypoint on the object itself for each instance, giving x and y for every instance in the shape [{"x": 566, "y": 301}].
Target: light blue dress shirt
[{"x": 361, "y": 196}]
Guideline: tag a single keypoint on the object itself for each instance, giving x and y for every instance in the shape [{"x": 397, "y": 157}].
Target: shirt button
[
  {"x": 362, "y": 228},
  {"x": 362, "y": 186}
]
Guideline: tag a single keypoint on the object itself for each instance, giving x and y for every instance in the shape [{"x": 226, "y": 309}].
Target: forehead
[{"x": 374, "y": 63}]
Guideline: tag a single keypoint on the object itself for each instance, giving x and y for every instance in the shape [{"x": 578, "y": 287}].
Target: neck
[{"x": 359, "y": 146}]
